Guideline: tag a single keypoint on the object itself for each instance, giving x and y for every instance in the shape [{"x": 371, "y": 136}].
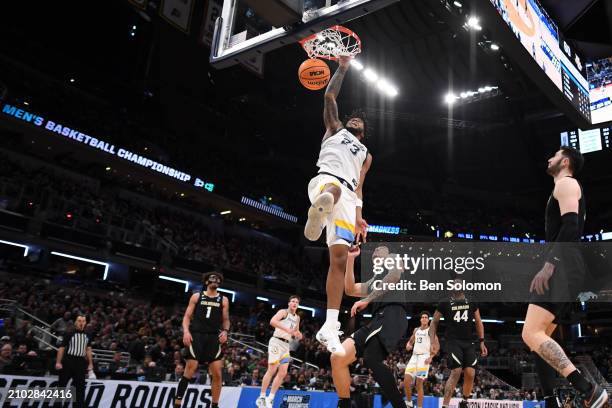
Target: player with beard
[
  {"x": 336, "y": 196},
  {"x": 206, "y": 314},
  {"x": 377, "y": 339},
  {"x": 561, "y": 277}
]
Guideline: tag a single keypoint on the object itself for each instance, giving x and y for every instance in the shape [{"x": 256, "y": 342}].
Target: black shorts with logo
[
  {"x": 205, "y": 348},
  {"x": 389, "y": 323},
  {"x": 461, "y": 353},
  {"x": 564, "y": 286}
]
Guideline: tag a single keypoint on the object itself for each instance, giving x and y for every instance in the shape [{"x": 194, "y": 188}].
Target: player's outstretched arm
[
  {"x": 350, "y": 287},
  {"x": 330, "y": 109}
]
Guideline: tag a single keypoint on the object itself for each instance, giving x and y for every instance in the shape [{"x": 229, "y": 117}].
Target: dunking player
[
  {"x": 424, "y": 350},
  {"x": 207, "y": 312},
  {"x": 561, "y": 277},
  {"x": 336, "y": 197},
  {"x": 286, "y": 323},
  {"x": 375, "y": 340},
  {"x": 460, "y": 316}
]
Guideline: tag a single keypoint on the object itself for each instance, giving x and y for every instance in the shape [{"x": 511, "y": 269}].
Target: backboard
[{"x": 241, "y": 34}]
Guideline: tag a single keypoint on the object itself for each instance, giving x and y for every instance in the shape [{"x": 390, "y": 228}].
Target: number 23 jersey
[
  {"x": 458, "y": 318},
  {"x": 208, "y": 314},
  {"x": 342, "y": 155}
]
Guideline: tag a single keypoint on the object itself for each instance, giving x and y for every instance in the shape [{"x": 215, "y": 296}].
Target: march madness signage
[
  {"x": 121, "y": 394},
  {"x": 295, "y": 401}
]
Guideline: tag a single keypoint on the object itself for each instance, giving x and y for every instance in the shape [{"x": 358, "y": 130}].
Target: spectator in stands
[
  {"x": 6, "y": 356},
  {"x": 117, "y": 366},
  {"x": 61, "y": 325},
  {"x": 179, "y": 369},
  {"x": 253, "y": 379}
]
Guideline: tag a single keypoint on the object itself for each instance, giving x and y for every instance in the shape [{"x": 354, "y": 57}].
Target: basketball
[{"x": 314, "y": 74}]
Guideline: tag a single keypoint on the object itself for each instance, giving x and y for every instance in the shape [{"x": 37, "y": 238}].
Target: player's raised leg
[{"x": 321, "y": 208}]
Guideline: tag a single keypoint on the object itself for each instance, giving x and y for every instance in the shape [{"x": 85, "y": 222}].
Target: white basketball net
[{"x": 332, "y": 43}]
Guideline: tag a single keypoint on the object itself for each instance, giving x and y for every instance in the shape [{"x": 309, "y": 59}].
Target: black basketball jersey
[
  {"x": 552, "y": 217},
  {"x": 208, "y": 314},
  {"x": 458, "y": 318}
]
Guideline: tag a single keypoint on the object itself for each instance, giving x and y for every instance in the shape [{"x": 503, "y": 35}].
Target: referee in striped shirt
[{"x": 74, "y": 359}]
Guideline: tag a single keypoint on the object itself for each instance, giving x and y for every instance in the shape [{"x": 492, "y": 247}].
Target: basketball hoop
[{"x": 331, "y": 43}]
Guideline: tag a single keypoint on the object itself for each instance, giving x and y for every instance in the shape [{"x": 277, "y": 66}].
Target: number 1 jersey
[{"x": 208, "y": 314}]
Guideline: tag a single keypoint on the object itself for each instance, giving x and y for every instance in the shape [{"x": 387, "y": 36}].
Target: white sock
[
  {"x": 332, "y": 316},
  {"x": 271, "y": 397},
  {"x": 262, "y": 394}
]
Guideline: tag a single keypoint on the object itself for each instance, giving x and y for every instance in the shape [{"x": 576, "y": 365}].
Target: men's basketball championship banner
[{"x": 116, "y": 394}]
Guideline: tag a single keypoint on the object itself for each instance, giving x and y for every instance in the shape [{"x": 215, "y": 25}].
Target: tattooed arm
[{"x": 330, "y": 110}]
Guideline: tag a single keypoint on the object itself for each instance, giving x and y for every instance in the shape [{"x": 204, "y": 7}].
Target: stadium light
[
  {"x": 225, "y": 212},
  {"x": 263, "y": 299},
  {"x": 310, "y": 309},
  {"x": 170, "y": 278},
  {"x": 474, "y": 23},
  {"x": 520, "y": 322},
  {"x": 492, "y": 321},
  {"x": 450, "y": 98},
  {"x": 370, "y": 75},
  {"x": 494, "y": 47},
  {"x": 357, "y": 65},
  {"x": 78, "y": 258},
  {"x": 25, "y": 247},
  {"x": 229, "y": 292},
  {"x": 367, "y": 315},
  {"x": 457, "y": 4},
  {"x": 579, "y": 330}
]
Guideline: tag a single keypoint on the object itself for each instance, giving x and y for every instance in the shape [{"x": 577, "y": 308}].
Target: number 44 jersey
[
  {"x": 208, "y": 314},
  {"x": 458, "y": 318}
]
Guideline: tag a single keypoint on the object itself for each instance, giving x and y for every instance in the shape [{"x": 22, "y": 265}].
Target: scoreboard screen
[
  {"x": 539, "y": 35},
  {"x": 599, "y": 74},
  {"x": 587, "y": 141}
]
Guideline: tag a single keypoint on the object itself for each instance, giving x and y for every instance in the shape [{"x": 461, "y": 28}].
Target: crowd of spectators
[{"x": 39, "y": 191}]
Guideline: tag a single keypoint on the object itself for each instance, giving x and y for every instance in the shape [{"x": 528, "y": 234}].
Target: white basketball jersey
[
  {"x": 289, "y": 322},
  {"x": 422, "y": 343},
  {"x": 343, "y": 156}
]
